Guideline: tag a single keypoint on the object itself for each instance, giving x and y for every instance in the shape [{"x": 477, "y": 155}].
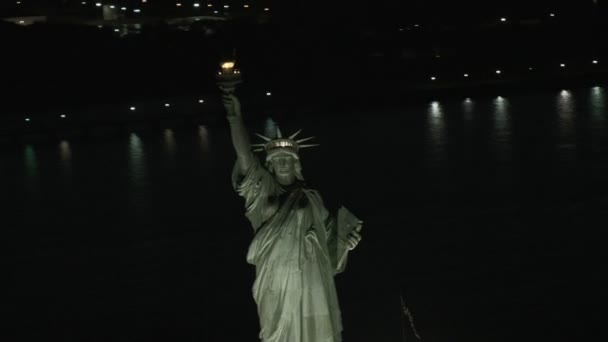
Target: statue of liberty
[{"x": 297, "y": 246}]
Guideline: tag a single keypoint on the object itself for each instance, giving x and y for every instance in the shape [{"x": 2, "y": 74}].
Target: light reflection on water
[
  {"x": 203, "y": 135},
  {"x": 502, "y": 119},
  {"x": 65, "y": 152},
  {"x": 436, "y": 130},
  {"x": 31, "y": 162},
  {"x": 65, "y": 160},
  {"x": 468, "y": 106},
  {"x": 137, "y": 172},
  {"x": 137, "y": 165},
  {"x": 565, "y": 116},
  {"x": 597, "y": 102},
  {"x": 270, "y": 128},
  {"x": 169, "y": 142},
  {"x": 502, "y": 128},
  {"x": 31, "y": 169},
  {"x": 462, "y": 136},
  {"x": 598, "y": 123}
]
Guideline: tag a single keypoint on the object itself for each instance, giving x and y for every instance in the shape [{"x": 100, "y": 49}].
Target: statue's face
[{"x": 283, "y": 165}]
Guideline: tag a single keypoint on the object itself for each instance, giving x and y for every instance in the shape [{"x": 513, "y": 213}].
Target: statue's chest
[{"x": 293, "y": 207}]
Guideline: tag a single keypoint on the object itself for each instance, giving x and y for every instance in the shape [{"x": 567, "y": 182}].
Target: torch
[{"x": 228, "y": 77}]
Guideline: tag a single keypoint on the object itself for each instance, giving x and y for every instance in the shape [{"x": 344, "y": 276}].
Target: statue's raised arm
[{"x": 238, "y": 131}]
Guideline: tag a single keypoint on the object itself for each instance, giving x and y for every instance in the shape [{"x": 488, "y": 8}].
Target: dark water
[{"x": 485, "y": 214}]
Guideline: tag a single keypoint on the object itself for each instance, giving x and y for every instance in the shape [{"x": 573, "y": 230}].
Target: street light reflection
[
  {"x": 566, "y": 114},
  {"x": 169, "y": 142},
  {"x": 203, "y": 135}
]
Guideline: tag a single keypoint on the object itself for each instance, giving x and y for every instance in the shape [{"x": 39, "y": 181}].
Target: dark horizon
[
  {"x": 90, "y": 62},
  {"x": 390, "y": 10}
]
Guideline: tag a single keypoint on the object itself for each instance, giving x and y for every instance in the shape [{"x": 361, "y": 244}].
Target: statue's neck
[
  {"x": 286, "y": 181},
  {"x": 293, "y": 186}
]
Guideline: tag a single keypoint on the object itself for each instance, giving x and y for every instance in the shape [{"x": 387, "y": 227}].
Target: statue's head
[
  {"x": 285, "y": 165},
  {"x": 282, "y": 158}
]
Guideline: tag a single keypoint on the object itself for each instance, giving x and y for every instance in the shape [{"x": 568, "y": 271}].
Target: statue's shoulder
[
  {"x": 312, "y": 193},
  {"x": 307, "y": 187}
]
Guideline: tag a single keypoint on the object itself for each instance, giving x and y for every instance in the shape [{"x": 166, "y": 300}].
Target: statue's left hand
[{"x": 354, "y": 238}]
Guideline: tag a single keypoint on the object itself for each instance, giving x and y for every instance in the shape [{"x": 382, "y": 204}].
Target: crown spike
[
  {"x": 305, "y": 139},
  {"x": 258, "y": 145},
  {"x": 310, "y": 145},
  {"x": 279, "y": 135},
  {"x": 258, "y": 150},
  {"x": 295, "y": 134},
  {"x": 263, "y": 137}
]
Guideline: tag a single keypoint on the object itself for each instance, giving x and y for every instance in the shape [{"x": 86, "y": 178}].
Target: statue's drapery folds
[{"x": 294, "y": 250}]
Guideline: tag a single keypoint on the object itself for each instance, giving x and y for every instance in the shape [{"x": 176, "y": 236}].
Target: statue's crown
[{"x": 274, "y": 142}]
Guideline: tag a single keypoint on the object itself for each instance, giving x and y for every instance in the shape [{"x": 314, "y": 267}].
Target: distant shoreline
[{"x": 186, "y": 111}]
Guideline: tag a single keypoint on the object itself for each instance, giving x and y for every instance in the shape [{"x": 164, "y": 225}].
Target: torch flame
[{"x": 228, "y": 65}]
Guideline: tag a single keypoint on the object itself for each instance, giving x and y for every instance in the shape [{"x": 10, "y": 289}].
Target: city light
[{"x": 226, "y": 66}]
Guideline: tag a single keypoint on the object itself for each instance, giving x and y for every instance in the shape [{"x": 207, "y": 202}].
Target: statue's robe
[{"x": 294, "y": 252}]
